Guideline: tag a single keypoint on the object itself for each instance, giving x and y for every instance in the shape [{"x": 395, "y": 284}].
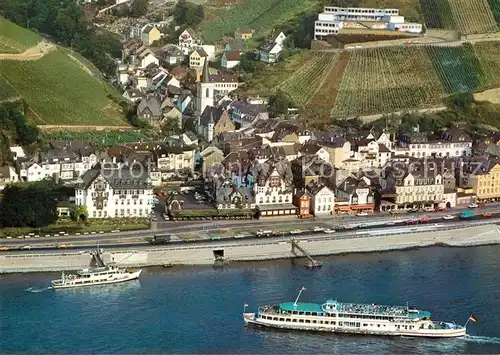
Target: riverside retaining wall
[{"x": 245, "y": 250}]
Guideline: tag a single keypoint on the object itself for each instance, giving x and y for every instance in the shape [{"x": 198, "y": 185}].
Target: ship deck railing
[
  {"x": 351, "y": 309},
  {"x": 373, "y": 309}
]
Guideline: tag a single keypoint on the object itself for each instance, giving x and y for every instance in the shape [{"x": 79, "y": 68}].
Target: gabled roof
[
  {"x": 268, "y": 46},
  {"x": 201, "y": 52},
  {"x": 152, "y": 103},
  {"x": 118, "y": 178},
  {"x": 147, "y": 28},
  {"x": 232, "y": 56},
  {"x": 191, "y": 32}
]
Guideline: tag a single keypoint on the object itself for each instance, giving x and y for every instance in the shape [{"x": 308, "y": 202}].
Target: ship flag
[{"x": 472, "y": 318}]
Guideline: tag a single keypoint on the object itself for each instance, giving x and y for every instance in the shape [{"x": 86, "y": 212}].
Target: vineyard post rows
[{"x": 303, "y": 83}]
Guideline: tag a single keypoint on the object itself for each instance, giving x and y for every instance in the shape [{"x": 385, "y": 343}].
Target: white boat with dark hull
[
  {"x": 336, "y": 317},
  {"x": 96, "y": 276}
]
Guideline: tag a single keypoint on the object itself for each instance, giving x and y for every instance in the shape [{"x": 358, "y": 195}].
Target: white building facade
[
  {"x": 115, "y": 193},
  {"x": 322, "y": 200}
]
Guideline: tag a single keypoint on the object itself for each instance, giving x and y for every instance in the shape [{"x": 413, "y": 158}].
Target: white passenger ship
[
  {"x": 333, "y": 316},
  {"x": 96, "y": 276}
]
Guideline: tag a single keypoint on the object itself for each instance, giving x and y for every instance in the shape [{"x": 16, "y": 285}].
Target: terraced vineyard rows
[
  {"x": 473, "y": 16},
  {"x": 304, "y": 82},
  {"x": 458, "y": 68},
  {"x": 60, "y": 92},
  {"x": 387, "y": 80},
  {"x": 324, "y": 99},
  {"x": 495, "y": 9},
  {"x": 437, "y": 14},
  {"x": 488, "y": 54},
  {"x": 6, "y": 91}
]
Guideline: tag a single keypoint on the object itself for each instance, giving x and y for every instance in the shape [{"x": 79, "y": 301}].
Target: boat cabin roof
[
  {"x": 301, "y": 306},
  {"x": 355, "y": 308}
]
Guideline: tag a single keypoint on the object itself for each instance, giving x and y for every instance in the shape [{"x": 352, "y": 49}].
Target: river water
[{"x": 198, "y": 310}]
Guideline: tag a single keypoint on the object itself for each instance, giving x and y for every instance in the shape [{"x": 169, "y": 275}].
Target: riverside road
[
  {"x": 435, "y": 224},
  {"x": 190, "y": 226}
]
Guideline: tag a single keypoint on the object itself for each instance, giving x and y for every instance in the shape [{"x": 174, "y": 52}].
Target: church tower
[{"x": 205, "y": 91}]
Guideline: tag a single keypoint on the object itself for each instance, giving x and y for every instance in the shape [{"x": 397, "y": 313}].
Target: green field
[
  {"x": 99, "y": 138},
  {"x": 15, "y": 39},
  {"x": 59, "y": 91},
  {"x": 261, "y": 15}
]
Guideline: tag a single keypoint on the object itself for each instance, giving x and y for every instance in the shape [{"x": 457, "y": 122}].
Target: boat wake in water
[
  {"x": 37, "y": 289},
  {"x": 482, "y": 340}
]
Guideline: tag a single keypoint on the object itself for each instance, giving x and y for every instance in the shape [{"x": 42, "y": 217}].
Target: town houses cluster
[
  {"x": 267, "y": 167},
  {"x": 234, "y": 158}
]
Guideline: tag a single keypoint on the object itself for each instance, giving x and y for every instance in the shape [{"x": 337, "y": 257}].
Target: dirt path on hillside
[{"x": 33, "y": 53}]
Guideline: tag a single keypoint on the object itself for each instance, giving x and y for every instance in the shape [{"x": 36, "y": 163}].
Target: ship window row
[{"x": 294, "y": 320}]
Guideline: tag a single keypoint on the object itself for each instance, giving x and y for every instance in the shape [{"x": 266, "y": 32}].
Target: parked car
[
  {"x": 62, "y": 246},
  {"x": 362, "y": 214},
  {"x": 411, "y": 221},
  {"x": 318, "y": 229},
  {"x": 328, "y": 231},
  {"x": 448, "y": 217},
  {"x": 473, "y": 205},
  {"x": 153, "y": 218},
  {"x": 487, "y": 214},
  {"x": 296, "y": 231},
  {"x": 424, "y": 220},
  {"x": 165, "y": 217},
  {"x": 4, "y": 248},
  {"x": 26, "y": 247},
  {"x": 390, "y": 223},
  {"x": 413, "y": 210}
]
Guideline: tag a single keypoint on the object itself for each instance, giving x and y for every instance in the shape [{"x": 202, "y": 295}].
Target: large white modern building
[
  {"x": 115, "y": 192},
  {"x": 333, "y": 19}
]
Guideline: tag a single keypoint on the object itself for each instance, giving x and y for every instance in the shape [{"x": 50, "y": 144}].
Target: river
[{"x": 198, "y": 310}]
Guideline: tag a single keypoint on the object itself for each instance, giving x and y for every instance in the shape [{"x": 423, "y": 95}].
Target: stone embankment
[{"x": 246, "y": 250}]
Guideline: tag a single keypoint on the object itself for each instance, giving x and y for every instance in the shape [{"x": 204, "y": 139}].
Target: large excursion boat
[
  {"x": 96, "y": 276},
  {"x": 336, "y": 317}
]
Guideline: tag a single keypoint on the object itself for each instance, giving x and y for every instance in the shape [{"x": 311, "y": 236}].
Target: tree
[
  {"x": 188, "y": 14},
  {"x": 139, "y": 8},
  {"x": 79, "y": 213},
  {"x": 30, "y": 204},
  {"x": 171, "y": 127},
  {"x": 279, "y": 103}
]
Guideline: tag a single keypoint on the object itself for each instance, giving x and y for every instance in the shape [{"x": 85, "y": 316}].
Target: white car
[
  {"x": 362, "y": 214},
  {"x": 473, "y": 205},
  {"x": 448, "y": 217},
  {"x": 328, "y": 231},
  {"x": 318, "y": 229},
  {"x": 296, "y": 231}
]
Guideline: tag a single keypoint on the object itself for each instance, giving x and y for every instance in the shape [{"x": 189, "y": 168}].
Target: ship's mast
[{"x": 298, "y": 296}]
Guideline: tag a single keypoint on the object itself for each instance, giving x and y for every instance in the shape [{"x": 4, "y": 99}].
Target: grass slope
[
  {"x": 61, "y": 92},
  {"x": 15, "y": 39}
]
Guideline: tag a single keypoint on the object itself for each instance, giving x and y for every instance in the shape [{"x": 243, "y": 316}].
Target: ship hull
[
  {"x": 129, "y": 277},
  {"x": 250, "y": 319}
]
